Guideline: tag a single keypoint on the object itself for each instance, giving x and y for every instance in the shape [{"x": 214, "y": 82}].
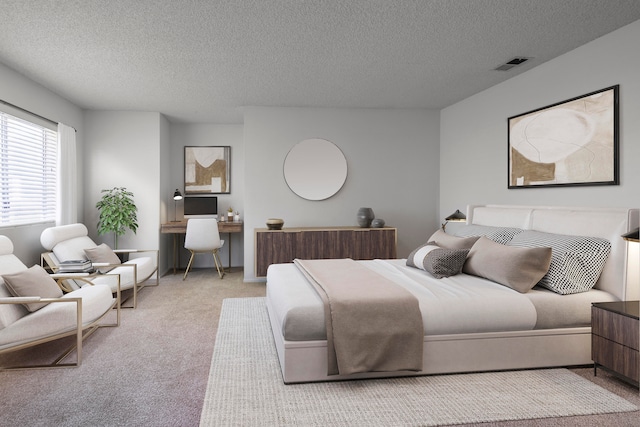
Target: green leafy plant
[{"x": 118, "y": 213}]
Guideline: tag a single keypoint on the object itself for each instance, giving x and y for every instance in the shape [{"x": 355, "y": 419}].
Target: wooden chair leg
[{"x": 193, "y": 254}]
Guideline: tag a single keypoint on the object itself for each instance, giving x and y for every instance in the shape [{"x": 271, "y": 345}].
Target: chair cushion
[
  {"x": 32, "y": 282},
  {"x": 58, "y": 317},
  {"x": 145, "y": 267}
]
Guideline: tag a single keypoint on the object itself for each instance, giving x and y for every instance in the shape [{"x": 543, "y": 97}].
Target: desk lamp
[{"x": 176, "y": 196}]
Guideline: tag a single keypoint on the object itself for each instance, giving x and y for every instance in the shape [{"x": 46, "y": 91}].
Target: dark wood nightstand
[{"x": 615, "y": 338}]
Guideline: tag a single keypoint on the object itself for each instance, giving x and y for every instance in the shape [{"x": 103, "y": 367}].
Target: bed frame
[{"x": 306, "y": 361}]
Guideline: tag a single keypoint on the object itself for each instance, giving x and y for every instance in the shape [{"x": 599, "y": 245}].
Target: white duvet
[{"x": 454, "y": 305}]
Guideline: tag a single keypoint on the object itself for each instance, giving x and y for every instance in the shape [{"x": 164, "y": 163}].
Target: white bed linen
[{"x": 458, "y": 304}]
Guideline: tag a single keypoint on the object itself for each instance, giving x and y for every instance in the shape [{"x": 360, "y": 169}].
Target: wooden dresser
[
  {"x": 615, "y": 338},
  {"x": 282, "y": 246}
]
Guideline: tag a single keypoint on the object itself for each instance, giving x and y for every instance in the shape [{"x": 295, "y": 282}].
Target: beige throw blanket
[{"x": 373, "y": 325}]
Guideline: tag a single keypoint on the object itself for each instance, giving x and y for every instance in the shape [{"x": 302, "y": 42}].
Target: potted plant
[{"x": 118, "y": 212}]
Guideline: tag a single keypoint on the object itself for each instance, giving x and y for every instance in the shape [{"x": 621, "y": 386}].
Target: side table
[{"x": 615, "y": 338}]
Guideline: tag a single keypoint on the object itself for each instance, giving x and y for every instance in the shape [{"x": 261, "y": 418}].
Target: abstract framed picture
[
  {"x": 207, "y": 170},
  {"x": 571, "y": 143}
]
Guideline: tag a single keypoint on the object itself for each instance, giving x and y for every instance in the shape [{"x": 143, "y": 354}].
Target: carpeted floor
[
  {"x": 153, "y": 370},
  {"x": 246, "y": 389},
  {"x": 150, "y": 371}
]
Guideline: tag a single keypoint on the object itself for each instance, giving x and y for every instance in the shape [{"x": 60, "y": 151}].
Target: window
[{"x": 28, "y": 165}]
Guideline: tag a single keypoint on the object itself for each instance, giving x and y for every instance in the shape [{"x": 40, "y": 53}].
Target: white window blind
[{"x": 27, "y": 171}]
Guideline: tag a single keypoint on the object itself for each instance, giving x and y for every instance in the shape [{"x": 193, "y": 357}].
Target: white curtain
[{"x": 67, "y": 209}]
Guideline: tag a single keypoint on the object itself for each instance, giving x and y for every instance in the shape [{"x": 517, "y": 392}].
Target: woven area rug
[{"x": 245, "y": 389}]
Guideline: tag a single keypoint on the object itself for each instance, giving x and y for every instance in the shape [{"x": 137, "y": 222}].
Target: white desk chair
[{"x": 203, "y": 236}]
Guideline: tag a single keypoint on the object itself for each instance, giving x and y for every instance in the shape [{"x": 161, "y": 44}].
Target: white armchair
[
  {"x": 71, "y": 242},
  {"x": 34, "y": 310}
]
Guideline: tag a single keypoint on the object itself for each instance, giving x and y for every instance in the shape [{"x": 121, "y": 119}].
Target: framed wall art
[
  {"x": 571, "y": 143},
  {"x": 207, "y": 170}
]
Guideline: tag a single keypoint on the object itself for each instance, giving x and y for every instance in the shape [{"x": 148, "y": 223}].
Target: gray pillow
[
  {"x": 102, "y": 254},
  {"x": 32, "y": 282},
  {"x": 448, "y": 241},
  {"x": 576, "y": 261},
  {"x": 440, "y": 262},
  {"x": 516, "y": 268}
]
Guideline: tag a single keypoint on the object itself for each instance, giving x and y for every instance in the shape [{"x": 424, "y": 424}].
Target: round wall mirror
[{"x": 315, "y": 169}]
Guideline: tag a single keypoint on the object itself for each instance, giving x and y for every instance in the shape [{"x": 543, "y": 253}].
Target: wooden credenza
[{"x": 282, "y": 246}]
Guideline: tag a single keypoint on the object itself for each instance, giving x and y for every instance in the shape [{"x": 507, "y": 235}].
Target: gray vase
[{"x": 365, "y": 216}]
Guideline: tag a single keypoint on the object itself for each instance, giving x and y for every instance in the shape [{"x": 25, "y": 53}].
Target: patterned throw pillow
[
  {"x": 440, "y": 262},
  {"x": 497, "y": 234},
  {"x": 576, "y": 261}
]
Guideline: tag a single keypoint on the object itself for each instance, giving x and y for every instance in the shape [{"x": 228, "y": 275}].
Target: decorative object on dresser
[
  {"x": 615, "y": 336},
  {"x": 283, "y": 246},
  {"x": 365, "y": 216},
  {"x": 275, "y": 223},
  {"x": 377, "y": 223}
]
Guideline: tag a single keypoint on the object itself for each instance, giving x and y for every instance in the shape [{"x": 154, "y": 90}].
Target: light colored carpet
[{"x": 245, "y": 388}]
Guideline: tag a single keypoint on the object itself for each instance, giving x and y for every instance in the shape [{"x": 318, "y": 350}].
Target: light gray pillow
[
  {"x": 448, "y": 241},
  {"x": 32, "y": 282},
  {"x": 102, "y": 254},
  {"x": 516, "y": 268},
  {"x": 576, "y": 261},
  {"x": 440, "y": 262}
]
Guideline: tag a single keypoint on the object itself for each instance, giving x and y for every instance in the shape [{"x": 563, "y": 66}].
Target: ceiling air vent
[{"x": 513, "y": 63}]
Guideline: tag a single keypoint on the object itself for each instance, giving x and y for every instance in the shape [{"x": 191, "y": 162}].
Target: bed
[{"x": 471, "y": 323}]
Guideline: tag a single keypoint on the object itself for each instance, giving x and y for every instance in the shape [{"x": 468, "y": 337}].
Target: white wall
[
  {"x": 123, "y": 150},
  {"x": 185, "y": 135},
  {"x": 392, "y": 159},
  {"x": 165, "y": 188},
  {"x": 473, "y": 132},
  {"x": 18, "y": 90}
]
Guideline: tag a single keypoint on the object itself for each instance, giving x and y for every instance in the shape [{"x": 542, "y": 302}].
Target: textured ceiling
[{"x": 202, "y": 61}]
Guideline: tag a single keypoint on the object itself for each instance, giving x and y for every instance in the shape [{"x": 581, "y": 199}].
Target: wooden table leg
[{"x": 229, "y": 257}]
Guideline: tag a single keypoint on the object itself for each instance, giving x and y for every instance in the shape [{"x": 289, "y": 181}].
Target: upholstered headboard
[{"x": 607, "y": 223}]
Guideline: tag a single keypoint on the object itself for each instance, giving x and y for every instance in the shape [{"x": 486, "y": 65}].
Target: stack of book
[{"x": 76, "y": 266}]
